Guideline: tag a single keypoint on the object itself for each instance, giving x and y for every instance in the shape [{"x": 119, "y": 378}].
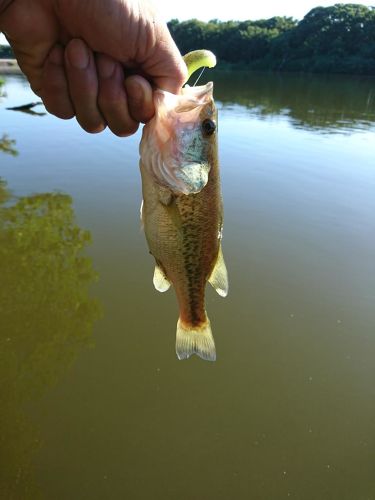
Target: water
[{"x": 94, "y": 403}]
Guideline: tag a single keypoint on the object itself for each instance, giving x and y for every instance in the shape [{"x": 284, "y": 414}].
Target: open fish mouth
[
  {"x": 173, "y": 148},
  {"x": 195, "y": 97}
]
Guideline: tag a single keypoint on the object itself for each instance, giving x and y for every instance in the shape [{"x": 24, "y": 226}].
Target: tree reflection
[
  {"x": 324, "y": 103},
  {"x": 6, "y": 145},
  {"x": 46, "y": 317}
]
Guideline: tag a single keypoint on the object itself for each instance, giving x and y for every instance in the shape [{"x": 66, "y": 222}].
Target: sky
[
  {"x": 241, "y": 9},
  {"x": 237, "y": 9}
]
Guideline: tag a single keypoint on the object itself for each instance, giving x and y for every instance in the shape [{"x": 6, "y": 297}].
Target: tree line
[
  {"x": 337, "y": 39},
  {"x": 6, "y": 52}
]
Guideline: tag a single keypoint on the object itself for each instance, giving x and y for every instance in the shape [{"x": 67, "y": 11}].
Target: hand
[{"x": 94, "y": 59}]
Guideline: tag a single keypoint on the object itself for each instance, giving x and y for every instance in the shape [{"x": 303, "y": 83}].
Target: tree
[
  {"x": 6, "y": 52},
  {"x": 340, "y": 38}
]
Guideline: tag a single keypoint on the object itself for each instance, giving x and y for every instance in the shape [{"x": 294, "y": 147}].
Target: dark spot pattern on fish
[
  {"x": 191, "y": 249},
  {"x": 182, "y": 229}
]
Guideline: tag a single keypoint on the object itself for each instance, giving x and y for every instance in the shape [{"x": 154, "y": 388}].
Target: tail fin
[{"x": 195, "y": 340}]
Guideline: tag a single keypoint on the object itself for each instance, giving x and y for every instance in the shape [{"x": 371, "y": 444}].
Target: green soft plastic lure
[{"x": 197, "y": 59}]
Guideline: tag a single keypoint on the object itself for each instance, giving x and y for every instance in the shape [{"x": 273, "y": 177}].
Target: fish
[{"x": 182, "y": 209}]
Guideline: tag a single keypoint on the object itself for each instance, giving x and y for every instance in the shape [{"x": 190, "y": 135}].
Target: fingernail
[
  {"x": 78, "y": 55},
  {"x": 105, "y": 67}
]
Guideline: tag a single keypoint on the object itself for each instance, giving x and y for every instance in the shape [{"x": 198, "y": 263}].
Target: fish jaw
[{"x": 173, "y": 147}]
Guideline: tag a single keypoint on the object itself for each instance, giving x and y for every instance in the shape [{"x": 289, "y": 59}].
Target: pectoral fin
[
  {"x": 165, "y": 196},
  {"x": 161, "y": 282},
  {"x": 219, "y": 276},
  {"x": 141, "y": 215}
]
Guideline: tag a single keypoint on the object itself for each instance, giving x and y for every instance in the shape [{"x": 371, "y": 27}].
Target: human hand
[{"x": 93, "y": 59}]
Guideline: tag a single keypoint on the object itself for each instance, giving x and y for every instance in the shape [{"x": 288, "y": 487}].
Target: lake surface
[{"x": 93, "y": 402}]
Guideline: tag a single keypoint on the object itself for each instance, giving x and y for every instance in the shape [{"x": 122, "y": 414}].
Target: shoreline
[{"x": 9, "y": 67}]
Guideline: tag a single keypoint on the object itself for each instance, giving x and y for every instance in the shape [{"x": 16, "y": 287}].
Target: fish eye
[{"x": 208, "y": 127}]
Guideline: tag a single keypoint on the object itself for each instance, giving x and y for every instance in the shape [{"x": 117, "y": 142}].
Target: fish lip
[
  {"x": 200, "y": 95},
  {"x": 199, "y": 91},
  {"x": 191, "y": 97},
  {"x": 196, "y": 90}
]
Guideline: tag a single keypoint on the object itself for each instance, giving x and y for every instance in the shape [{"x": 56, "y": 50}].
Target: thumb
[
  {"x": 167, "y": 68},
  {"x": 164, "y": 64}
]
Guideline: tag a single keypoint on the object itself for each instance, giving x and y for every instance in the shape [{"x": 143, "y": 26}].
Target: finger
[
  {"x": 139, "y": 92},
  {"x": 83, "y": 85},
  {"x": 165, "y": 64},
  {"x": 112, "y": 99},
  {"x": 145, "y": 43},
  {"x": 54, "y": 89},
  {"x": 173, "y": 76}
]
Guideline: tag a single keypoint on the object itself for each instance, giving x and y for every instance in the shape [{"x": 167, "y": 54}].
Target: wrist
[{"x": 4, "y": 4}]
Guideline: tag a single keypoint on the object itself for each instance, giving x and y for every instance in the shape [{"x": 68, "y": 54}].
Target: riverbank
[{"x": 9, "y": 67}]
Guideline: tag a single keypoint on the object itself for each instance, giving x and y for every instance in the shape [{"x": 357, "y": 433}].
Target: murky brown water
[{"x": 93, "y": 402}]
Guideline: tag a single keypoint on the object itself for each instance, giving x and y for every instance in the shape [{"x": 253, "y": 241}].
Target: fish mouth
[
  {"x": 198, "y": 91},
  {"x": 197, "y": 96},
  {"x": 172, "y": 149},
  {"x": 189, "y": 99}
]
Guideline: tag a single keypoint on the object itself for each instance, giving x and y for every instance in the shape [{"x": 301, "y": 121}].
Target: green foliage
[
  {"x": 6, "y": 52},
  {"x": 338, "y": 39},
  {"x": 7, "y": 145},
  {"x": 47, "y": 316}
]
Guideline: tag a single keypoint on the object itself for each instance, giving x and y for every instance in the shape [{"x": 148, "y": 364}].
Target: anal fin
[
  {"x": 161, "y": 282},
  {"x": 219, "y": 276}
]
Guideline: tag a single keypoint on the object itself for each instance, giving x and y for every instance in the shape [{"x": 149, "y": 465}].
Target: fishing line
[{"x": 200, "y": 74}]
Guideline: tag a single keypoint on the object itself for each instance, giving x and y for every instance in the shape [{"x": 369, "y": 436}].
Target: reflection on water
[
  {"x": 46, "y": 316},
  {"x": 323, "y": 103},
  {"x": 7, "y": 145},
  {"x": 28, "y": 109},
  {"x": 287, "y": 411}
]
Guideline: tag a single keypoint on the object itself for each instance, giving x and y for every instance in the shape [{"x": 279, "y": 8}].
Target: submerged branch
[{"x": 27, "y": 108}]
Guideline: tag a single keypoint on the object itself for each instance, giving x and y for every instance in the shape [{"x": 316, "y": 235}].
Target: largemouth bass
[{"x": 182, "y": 211}]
